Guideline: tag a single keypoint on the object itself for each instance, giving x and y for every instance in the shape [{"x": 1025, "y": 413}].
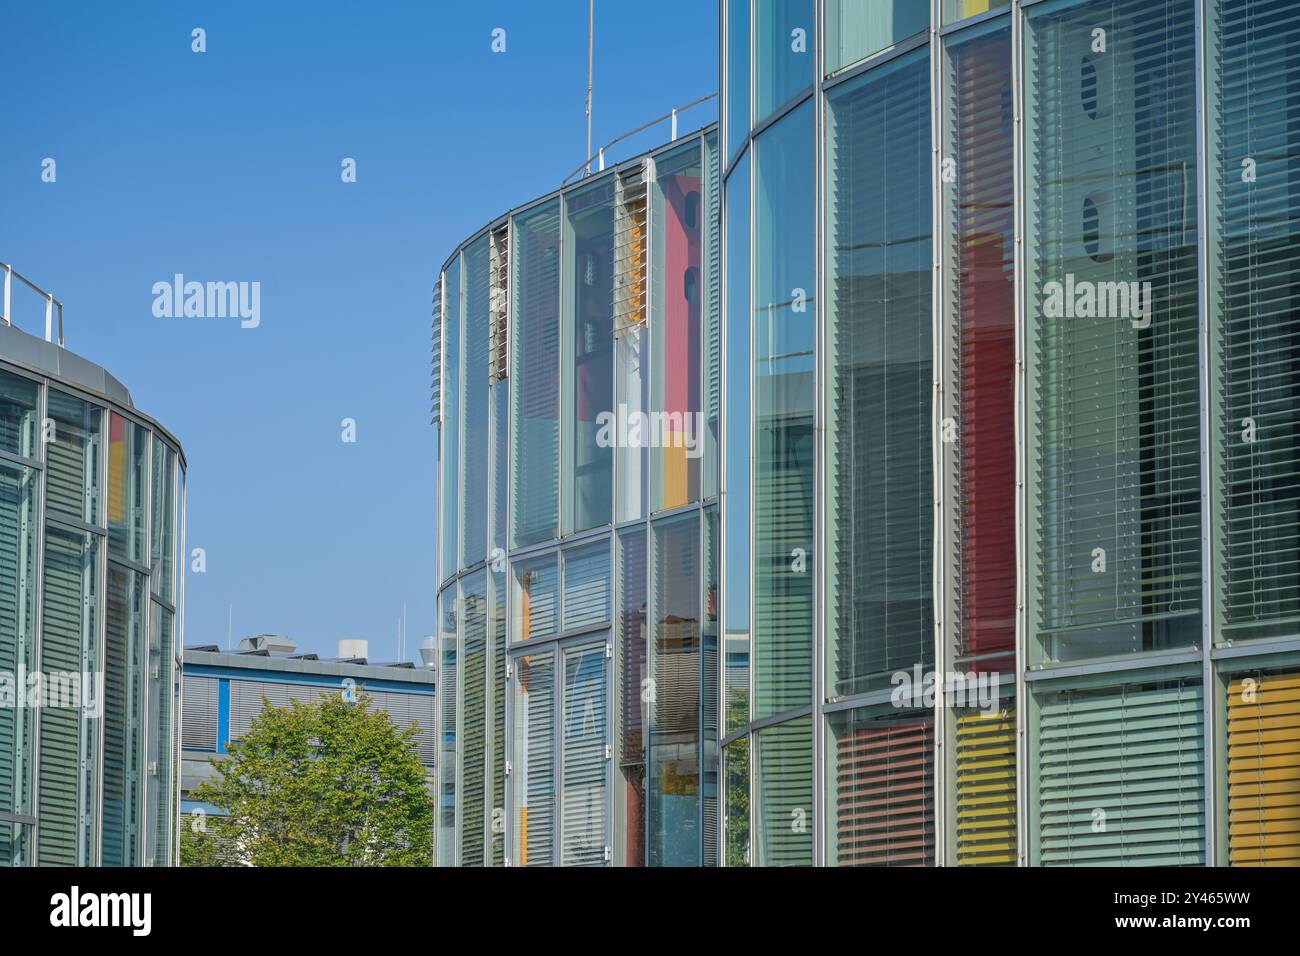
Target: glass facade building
[
  {"x": 992, "y": 555},
  {"x": 91, "y": 595}
]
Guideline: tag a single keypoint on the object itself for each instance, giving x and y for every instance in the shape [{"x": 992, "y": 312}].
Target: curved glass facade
[
  {"x": 91, "y": 517},
  {"x": 996, "y": 562},
  {"x": 579, "y": 398}
]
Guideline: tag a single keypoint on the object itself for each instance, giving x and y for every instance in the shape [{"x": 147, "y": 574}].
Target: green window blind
[
  {"x": 123, "y": 707},
  {"x": 1255, "y": 315},
  {"x": 631, "y": 647},
  {"x": 448, "y": 611},
  {"x": 17, "y": 637},
  {"x": 162, "y": 743},
  {"x": 537, "y": 611},
  {"x": 1113, "y": 384},
  {"x": 69, "y": 636},
  {"x": 534, "y": 765},
  {"x": 72, "y": 459},
  {"x": 497, "y": 632},
  {"x": 473, "y": 486},
  {"x": 583, "y": 797},
  {"x": 784, "y": 792},
  {"x": 1121, "y": 776},
  {"x": 586, "y": 587},
  {"x": 472, "y": 726}
]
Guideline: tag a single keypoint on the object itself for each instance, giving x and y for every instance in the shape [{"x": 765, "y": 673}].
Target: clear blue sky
[{"x": 225, "y": 166}]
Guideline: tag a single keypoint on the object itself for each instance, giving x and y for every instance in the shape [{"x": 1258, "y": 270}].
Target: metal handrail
[
  {"x": 599, "y": 156},
  {"x": 51, "y": 303}
]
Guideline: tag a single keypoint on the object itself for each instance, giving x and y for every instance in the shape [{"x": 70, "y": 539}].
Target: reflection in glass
[
  {"x": 737, "y": 92},
  {"x": 582, "y": 798},
  {"x": 784, "y": 790},
  {"x": 534, "y": 761},
  {"x": 632, "y": 682},
  {"x": 784, "y": 36},
  {"x": 537, "y": 596},
  {"x": 128, "y": 446},
  {"x": 856, "y": 29}
]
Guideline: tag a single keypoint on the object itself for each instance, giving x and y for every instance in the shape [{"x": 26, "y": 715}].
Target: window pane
[
  {"x": 163, "y": 522},
  {"x": 676, "y": 300},
  {"x": 128, "y": 445},
  {"x": 856, "y": 29},
  {"x": 633, "y": 677},
  {"x": 124, "y": 670},
  {"x": 675, "y": 694},
  {"x": 737, "y": 98},
  {"x": 735, "y": 772},
  {"x": 980, "y": 306},
  {"x": 584, "y": 796},
  {"x": 954, "y": 10},
  {"x": 784, "y": 790},
  {"x": 69, "y": 650},
  {"x": 447, "y": 610},
  {"x": 72, "y": 456},
  {"x": 18, "y": 487},
  {"x": 163, "y": 690},
  {"x": 586, "y": 586},
  {"x": 881, "y": 769},
  {"x": 879, "y": 500},
  {"x": 535, "y": 373},
  {"x": 784, "y": 53},
  {"x": 472, "y": 725},
  {"x": 709, "y": 690},
  {"x": 784, "y": 343},
  {"x": 19, "y": 404},
  {"x": 534, "y": 762},
  {"x": 537, "y": 595},
  {"x": 1254, "y": 306},
  {"x": 589, "y": 287},
  {"x": 449, "y": 433},
  {"x": 712, "y": 292},
  {"x": 737, "y": 436},
  {"x": 473, "y": 487},
  {"x": 1113, "y": 385},
  {"x": 497, "y": 633}
]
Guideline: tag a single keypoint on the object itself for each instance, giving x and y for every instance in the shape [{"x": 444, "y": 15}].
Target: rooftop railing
[
  {"x": 599, "y": 157},
  {"x": 52, "y": 305}
]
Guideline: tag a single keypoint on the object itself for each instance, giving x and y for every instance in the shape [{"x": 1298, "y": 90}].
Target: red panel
[{"x": 885, "y": 794}]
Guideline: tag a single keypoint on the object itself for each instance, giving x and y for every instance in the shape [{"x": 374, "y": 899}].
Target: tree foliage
[{"x": 330, "y": 783}]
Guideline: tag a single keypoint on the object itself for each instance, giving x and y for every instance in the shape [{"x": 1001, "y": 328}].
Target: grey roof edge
[
  {"x": 320, "y": 668},
  {"x": 27, "y": 353}
]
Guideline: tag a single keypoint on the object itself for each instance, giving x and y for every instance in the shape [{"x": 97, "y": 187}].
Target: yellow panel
[
  {"x": 1264, "y": 771},
  {"x": 986, "y": 790}
]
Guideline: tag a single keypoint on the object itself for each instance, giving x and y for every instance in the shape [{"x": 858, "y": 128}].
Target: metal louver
[
  {"x": 435, "y": 376},
  {"x": 986, "y": 789},
  {"x": 499, "y": 329},
  {"x": 631, "y": 248}
]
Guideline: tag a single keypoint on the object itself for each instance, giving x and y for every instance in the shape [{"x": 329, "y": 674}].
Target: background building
[
  {"x": 225, "y": 690},
  {"x": 1007, "y": 533},
  {"x": 91, "y": 518}
]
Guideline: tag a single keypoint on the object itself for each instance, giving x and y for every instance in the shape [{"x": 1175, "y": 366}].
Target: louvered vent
[
  {"x": 1264, "y": 770},
  {"x": 632, "y": 251},
  {"x": 499, "y": 334},
  {"x": 986, "y": 789},
  {"x": 435, "y": 408}
]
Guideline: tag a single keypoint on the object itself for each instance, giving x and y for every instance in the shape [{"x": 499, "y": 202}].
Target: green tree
[{"x": 330, "y": 783}]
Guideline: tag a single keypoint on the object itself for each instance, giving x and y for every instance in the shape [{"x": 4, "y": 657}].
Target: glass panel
[
  {"x": 497, "y": 633},
  {"x": 72, "y": 457},
  {"x": 449, "y": 433},
  {"x": 674, "y": 797},
  {"x": 69, "y": 732},
  {"x": 712, "y": 293},
  {"x": 20, "y": 400},
  {"x": 15, "y": 844},
  {"x": 583, "y": 796},
  {"x": 128, "y": 445},
  {"x": 589, "y": 298},
  {"x": 472, "y": 725},
  {"x": 472, "y": 486},
  {"x": 18, "y": 487},
  {"x": 499, "y": 470},
  {"x": 633, "y": 387},
  {"x": 537, "y": 595},
  {"x": 735, "y": 773},
  {"x": 879, "y": 500},
  {"x": 856, "y": 29},
  {"x": 163, "y": 522},
  {"x": 954, "y": 10},
  {"x": 784, "y": 343},
  {"x": 737, "y": 95},
  {"x": 633, "y": 696},
  {"x": 784, "y": 789},
  {"x": 535, "y": 373},
  {"x": 124, "y": 676},
  {"x": 447, "y": 610},
  {"x": 586, "y": 586},
  {"x": 979, "y": 452},
  {"x": 881, "y": 774},
  {"x": 1254, "y": 282},
  {"x": 1112, "y": 363},
  {"x": 709, "y": 704},
  {"x": 737, "y": 436},
  {"x": 676, "y": 300},
  {"x": 161, "y": 809},
  {"x": 534, "y": 764},
  {"x": 783, "y": 44}
]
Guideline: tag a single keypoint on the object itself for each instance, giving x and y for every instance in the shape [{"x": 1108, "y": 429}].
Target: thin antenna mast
[{"x": 591, "y": 29}]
